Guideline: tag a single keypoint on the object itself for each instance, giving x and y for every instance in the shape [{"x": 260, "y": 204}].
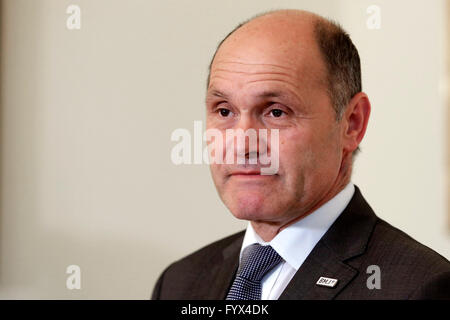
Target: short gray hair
[{"x": 342, "y": 62}]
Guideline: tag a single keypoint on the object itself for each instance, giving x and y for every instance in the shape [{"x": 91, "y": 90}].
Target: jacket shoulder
[
  {"x": 407, "y": 268},
  {"x": 185, "y": 271},
  {"x": 399, "y": 249},
  {"x": 206, "y": 253}
]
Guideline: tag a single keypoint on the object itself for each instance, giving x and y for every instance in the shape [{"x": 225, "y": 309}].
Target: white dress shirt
[{"x": 295, "y": 242}]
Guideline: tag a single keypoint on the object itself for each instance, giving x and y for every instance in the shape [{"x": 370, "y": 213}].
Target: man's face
[{"x": 261, "y": 80}]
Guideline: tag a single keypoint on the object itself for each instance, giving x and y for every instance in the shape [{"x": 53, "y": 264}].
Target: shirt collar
[{"x": 295, "y": 242}]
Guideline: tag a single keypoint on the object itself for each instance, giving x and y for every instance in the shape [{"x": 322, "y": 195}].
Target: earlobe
[{"x": 357, "y": 117}]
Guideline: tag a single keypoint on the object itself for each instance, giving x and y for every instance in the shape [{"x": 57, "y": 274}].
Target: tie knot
[{"x": 256, "y": 261}]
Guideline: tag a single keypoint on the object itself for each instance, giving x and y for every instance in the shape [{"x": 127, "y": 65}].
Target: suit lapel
[
  {"x": 322, "y": 262},
  {"x": 346, "y": 238}
]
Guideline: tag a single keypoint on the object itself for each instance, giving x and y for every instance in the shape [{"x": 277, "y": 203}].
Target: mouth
[
  {"x": 249, "y": 174},
  {"x": 246, "y": 173}
]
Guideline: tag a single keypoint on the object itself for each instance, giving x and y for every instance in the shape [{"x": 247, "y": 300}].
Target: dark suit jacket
[{"x": 356, "y": 240}]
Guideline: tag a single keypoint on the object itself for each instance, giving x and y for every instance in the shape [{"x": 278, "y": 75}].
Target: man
[{"x": 311, "y": 233}]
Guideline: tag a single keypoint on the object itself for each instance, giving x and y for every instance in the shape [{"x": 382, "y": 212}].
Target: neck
[{"x": 267, "y": 230}]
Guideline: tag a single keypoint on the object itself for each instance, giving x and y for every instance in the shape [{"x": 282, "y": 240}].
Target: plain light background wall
[{"x": 86, "y": 119}]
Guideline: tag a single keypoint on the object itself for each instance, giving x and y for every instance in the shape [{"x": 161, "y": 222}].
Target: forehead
[
  {"x": 238, "y": 73},
  {"x": 252, "y": 78},
  {"x": 234, "y": 77}
]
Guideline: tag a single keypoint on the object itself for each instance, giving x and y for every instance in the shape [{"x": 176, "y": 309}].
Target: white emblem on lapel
[{"x": 327, "y": 282}]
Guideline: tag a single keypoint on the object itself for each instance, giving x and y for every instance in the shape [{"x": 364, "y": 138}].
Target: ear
[{"x": 355, "y": 119}]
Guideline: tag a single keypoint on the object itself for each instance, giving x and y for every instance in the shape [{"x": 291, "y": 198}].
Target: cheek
[
  {"x": 296, "y": 149},
  {"x": 305, "y": 156}
]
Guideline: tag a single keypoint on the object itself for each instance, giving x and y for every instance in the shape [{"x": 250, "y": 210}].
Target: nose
[{"x": 247, "y": 138}]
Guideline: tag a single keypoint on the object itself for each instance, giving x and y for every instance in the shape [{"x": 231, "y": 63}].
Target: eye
[
  {"x": 224, "y": 112},
  {"x": 276, "y": 113}
]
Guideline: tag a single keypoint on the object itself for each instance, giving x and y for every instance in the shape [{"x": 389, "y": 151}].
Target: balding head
[{"x": 321, "y": 36}]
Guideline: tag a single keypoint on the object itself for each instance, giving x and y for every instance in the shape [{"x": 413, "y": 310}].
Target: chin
[{"x": 250, "y": 207}]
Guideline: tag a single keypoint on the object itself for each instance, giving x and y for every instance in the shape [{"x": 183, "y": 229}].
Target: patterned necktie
[{"x": 257, "y": 261}]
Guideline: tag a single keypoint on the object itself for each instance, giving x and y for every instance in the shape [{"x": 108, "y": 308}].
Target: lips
[{"x": 247, "y": 173}]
